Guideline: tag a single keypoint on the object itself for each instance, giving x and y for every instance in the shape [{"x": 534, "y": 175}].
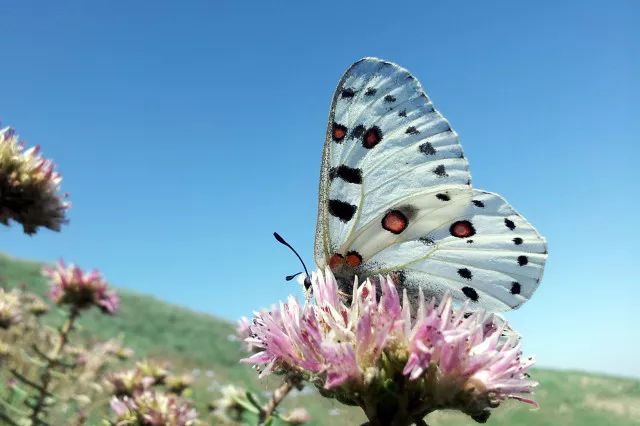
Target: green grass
[{"x": 191, "y": 340}]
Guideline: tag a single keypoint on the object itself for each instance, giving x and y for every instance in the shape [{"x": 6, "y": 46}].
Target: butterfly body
[{"x": 396, "y": 198}]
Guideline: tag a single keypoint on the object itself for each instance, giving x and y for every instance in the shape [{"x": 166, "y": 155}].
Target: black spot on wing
[
  {"x": 465, "y": 273},
  {"x": 523, "y": 260},
  {"x": 509, "y": 224},
  {"x": 357, "y": 132},
  {"x": 341, "y": 210},
  {"x": 443, "y": 197},
  {"x": 412, "y": 131},
  {"x": 477, "y": 203},
  {"x": 370, "y": 91},
  {"x": 517, "y": 241},
  {"x": 389, "y": 99},
  {"x": 346, "y": 173},
  {"x": 348, "y": 93},
  {"x": 427, "y": 149},
  {"x": 440, "y": 171},
  {"x": 402, "y": 113},
  {"x": 470, "y": 293},
  {"x": 515, "y": 287}
]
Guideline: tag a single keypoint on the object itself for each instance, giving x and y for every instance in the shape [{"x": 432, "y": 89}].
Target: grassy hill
[{"x": 200, "y": 343}]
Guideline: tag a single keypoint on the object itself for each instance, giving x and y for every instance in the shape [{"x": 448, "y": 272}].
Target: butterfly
[{"x": 396, "y": 198}]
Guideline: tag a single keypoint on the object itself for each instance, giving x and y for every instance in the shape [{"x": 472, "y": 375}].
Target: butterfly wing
[
  {"x": 385, "y": 142},
  {"x": 395, "y": 197},
  {"x": 488, "y": 254}
]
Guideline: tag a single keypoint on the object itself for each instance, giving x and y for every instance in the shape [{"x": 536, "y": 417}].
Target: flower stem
[
  {"x": 52, "y": 361},
  {"x": 278, "y": 396}
]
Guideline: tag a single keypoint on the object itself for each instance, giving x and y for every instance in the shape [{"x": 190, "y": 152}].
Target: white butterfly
[{"x": 396, "y": 198}]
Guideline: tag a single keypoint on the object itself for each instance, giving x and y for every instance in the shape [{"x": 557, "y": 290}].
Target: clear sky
[{"x": 187, "y": 132}]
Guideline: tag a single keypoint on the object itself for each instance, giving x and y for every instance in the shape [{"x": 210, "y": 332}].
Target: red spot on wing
[
  {"x": 462, "y": 229},
  {"x": 372, "y": 137},
  {"x": 336, "y": 260},
  {"x": 339, "y": 132},
  {"x": 354, "y": 259},
  {"x": 395, "y": 221}
]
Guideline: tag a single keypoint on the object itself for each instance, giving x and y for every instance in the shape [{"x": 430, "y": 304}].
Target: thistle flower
[
  {"x": 28, "y": 187},
  {"x": 153, "y": 409},
  {"x": 374, "y": 353},
  {"x": 10, "y": 312},
  {"x": 70, "y": 285}
]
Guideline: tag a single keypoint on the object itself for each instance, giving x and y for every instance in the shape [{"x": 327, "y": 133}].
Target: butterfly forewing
[{"x": 385, "y": 142}]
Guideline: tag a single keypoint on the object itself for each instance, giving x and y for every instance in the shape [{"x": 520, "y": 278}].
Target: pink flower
[
  {"x": 72, "y": 286},
  {"x": 358, "y": 351},
  {"x": 243, "y": 332},
  {"x": 29, "y": 186},
  {"x": 152, "y": 408}
]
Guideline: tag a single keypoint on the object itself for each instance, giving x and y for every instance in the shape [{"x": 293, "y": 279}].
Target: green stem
[{"x": 52, "y": 360}]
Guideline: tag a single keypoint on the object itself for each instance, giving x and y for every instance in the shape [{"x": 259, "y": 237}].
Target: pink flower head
[
  {"x": 72, "y": 286},
  {"x": 450, "y": 358},
  {"x": 152, "y": 408},
  {"x": 29, "y": 186}
]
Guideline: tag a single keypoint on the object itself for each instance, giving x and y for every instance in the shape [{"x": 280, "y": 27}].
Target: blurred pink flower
[
  {"x": 72, "y": 286},
  {"x": 29, "y": 186},
  {"x": 153, "y": 408},
  {"x": 359, "y": 351},
  {"x": 10, "y": 308},
  {"x": 243, "y": 332},
  {"x": 297, "y": 416}
]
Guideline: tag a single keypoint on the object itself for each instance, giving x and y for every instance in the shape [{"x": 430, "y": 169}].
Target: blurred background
[{"x": 187, "y": 132}]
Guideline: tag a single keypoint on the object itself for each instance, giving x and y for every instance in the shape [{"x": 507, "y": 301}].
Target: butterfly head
[{"x": 306, "y": 281}]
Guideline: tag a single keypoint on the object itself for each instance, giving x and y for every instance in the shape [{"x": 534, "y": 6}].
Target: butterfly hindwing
[{"x": 487, "y": 254}]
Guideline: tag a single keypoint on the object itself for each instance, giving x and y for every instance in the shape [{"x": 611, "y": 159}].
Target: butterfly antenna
[{"x": 282, "y": 241}]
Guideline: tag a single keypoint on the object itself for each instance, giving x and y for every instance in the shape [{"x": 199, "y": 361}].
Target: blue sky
[{"x": 187, "y": 132}]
